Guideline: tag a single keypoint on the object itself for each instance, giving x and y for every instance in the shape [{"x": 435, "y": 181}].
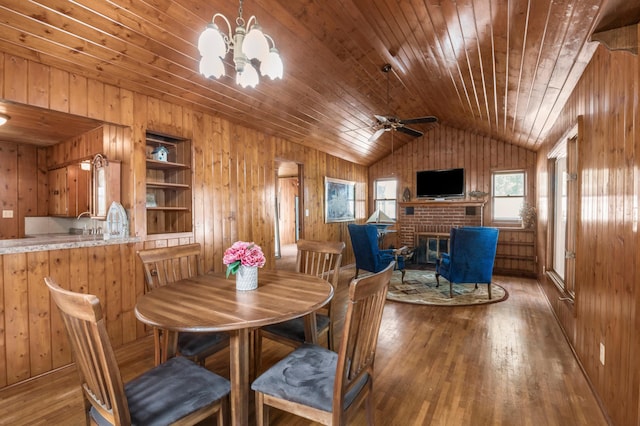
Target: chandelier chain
[{"x": 240, "y": 19}]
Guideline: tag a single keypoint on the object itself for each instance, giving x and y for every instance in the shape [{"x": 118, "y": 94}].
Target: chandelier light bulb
[
  {"x": 3, "y": 119},
  {"x": 255, "y": 45},
  {"x": 248, "y": 77},
  {"x": 272, "y": 65},
  {"x": 211, "y": 42},
  {"x": 211, "y": 66}
]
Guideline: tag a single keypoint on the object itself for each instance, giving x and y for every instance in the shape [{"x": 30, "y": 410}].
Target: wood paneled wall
[
  {"x": 444, "y": 147},
  {"x": 32, "y": 337},
  {"x": 233, "y": 198},
  {"x": 607, "y": 303},
  {"x": 24, "y": 188}
]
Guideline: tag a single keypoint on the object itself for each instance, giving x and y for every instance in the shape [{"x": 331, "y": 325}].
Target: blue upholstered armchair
[
  {"x": 364, "y": 240},
  {"x": 472, "y": 251}
]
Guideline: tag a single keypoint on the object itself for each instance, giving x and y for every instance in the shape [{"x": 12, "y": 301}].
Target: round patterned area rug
[{"x": 419, "y": 287}]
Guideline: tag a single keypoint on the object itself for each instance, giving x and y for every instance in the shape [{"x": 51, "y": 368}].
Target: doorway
[{"x": 289, "y": 208}]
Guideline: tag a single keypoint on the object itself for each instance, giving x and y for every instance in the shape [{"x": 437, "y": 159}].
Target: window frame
[
  {"x": 386, "y": 200},
  {"x": 507, "y": 221},
  {"x": 566, "y": 146}
]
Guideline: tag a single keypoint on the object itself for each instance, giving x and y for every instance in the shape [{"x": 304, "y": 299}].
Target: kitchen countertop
[{"x": 59, "y": 241}]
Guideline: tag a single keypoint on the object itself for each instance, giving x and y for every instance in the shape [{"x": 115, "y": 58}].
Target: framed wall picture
[{"x": 339, "y": 200}]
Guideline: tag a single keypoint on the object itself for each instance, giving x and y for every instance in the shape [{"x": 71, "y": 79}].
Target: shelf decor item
[
  {"x": 244, "y": 259},
  {"x": 151, "y": 200},
  {"x": 160, "y": 154},
  {"x": 528, "y": 215}
]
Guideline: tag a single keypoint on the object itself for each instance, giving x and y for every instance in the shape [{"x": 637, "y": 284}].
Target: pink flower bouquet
[{"x": 245, "y": 254}]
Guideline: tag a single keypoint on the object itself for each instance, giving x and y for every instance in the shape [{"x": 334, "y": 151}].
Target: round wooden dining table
[{"x": 211, "y": 303}]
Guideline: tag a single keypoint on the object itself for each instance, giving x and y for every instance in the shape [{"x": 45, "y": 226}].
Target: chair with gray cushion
[
  {"x": 178, "y": 391},
  {"x": 321, "y": 259},
  {"x": 324, "y": 386},
  {"x": 167, "y": 265},
  {"x": 472, "y": 252}
]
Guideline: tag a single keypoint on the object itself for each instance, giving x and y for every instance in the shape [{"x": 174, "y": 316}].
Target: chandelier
[{"x": 248, "y": 42}]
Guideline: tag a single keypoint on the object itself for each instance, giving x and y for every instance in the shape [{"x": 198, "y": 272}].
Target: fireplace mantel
[{"x": 463, "y": 203}]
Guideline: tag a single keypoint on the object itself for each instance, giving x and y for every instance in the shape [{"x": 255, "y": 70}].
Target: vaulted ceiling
[{"x": 500, "y": 68}]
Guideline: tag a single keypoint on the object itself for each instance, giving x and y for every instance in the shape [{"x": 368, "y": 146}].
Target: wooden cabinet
[
  {"x": 69, "y": 191},
  {"x": 169, "y": 202}
]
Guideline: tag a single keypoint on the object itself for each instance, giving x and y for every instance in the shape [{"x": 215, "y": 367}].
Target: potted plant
[
  {"x": 528, "y": 215},
  {"x": 244, "y": 259}
]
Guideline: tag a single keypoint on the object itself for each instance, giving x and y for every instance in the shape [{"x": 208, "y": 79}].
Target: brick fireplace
[{"x": 436, "y": 217}]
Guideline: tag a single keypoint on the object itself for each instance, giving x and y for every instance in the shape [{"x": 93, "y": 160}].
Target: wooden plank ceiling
[{"x": 501, "y": 68}]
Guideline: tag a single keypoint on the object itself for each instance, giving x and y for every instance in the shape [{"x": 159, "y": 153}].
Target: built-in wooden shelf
[
  {"x": 168, "y": 185},
  {"x": 164, "y": 165},
  {"x": 161, "y": 208}
]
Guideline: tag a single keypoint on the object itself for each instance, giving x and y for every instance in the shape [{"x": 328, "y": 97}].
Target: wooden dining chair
[
  {"x": 167, "y": 265},
  {"x": 178, "y": 391},
  {"x": 321, "y": 385},
  {"x": 321, "y": 259}
]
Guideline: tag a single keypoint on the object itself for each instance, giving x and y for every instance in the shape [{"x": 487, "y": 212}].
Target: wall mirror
[
  {"x": 105, "y": 185},
  {"x": 99, "y": 187}
]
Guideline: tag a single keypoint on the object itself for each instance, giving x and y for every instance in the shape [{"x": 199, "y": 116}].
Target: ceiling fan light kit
[
  {"x": 248, "y": 43},
  {"x": 391, "y": 123}
]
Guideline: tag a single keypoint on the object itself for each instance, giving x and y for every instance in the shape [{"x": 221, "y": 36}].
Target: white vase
[{"x": 247, "y": 278}]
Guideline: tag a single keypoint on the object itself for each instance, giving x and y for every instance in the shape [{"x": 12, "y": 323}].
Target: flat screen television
[{"x": 445, "y": 183}]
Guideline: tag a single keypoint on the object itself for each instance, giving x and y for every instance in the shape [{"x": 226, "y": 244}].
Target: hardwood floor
[{"x": 501, "y": 364}]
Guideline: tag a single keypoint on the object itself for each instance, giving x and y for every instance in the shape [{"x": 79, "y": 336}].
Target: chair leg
[
  {"x": 437, "y": 279},
  {"x": 368, "y": 406},
  {"x": 450, "y": 289},
  {"x": 402, "y": 279},
  {"x": 262, "y": 411},
  {"x": 224, "y": 414},
  {"x": 489, "y": 290},
  {"x": 357, "y": 270},
  {"x": 330, "y": 337}
]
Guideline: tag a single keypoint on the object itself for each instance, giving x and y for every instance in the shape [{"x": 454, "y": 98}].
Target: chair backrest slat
[
  {"x": 321, "y": 259},
  {"x": 170, "y": 264},
  {"x": 356, "y": 355},
  {"x": 96, "y": 362}
]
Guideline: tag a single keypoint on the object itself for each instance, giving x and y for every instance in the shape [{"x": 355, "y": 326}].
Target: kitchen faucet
[{"x": 88, "y": 213}]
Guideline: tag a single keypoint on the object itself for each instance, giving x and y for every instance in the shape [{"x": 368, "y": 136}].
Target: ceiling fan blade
[
  {"x": 377, "y": 134},
  {"x": 409, "y": 131},
  {"x": 418, "y": 120},
  {"x": 381, "y": 119}
]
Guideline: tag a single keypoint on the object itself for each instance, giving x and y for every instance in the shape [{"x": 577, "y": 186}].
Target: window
[
  {"x": 563, "y": 212},
  {"x": 384, "y": 195},
  {"x": 508, "y": 195}
]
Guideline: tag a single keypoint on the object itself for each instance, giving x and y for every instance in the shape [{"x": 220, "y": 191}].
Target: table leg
[
  {"x": 166, "y": 344},
  {"x": 239, "y": 375},
  {"x": 310, "y": 328}
]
